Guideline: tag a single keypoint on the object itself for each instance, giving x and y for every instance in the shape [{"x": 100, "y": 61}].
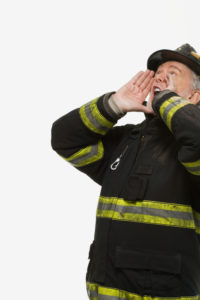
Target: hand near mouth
[{"x": 132, "y": 95}]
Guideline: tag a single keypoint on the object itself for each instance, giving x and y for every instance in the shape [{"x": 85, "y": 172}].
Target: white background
[{"x": 55, "y": 56}]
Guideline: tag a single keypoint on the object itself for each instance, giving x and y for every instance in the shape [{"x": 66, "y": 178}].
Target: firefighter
[{"x": 147, "y": 235}]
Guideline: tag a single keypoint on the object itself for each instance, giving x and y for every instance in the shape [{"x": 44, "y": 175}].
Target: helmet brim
[{"x": 164, "y": 55}]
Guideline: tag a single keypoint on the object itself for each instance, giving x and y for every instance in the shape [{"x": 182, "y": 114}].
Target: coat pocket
[
  {"x": 135, "y": 188},
  {"x": 149, "y": 271}
]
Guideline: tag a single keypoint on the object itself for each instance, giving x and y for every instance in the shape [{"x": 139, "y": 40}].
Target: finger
[
  {"x": 148, "y": 87},
  {"x": 147, "y": 81},
  {"x": 144, "y": 79},
  {"x": 136, "y": 77},
  {"x": 146, "y": 109}
]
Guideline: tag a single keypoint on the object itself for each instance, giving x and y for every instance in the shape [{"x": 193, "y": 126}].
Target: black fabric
[
  {"x": 135, "y": 188},
  {"x": 148, "y": 260},
  {"x": 185, "y": 54},
  {"x": 160, "y": 98},
  {"x": 150, "y": 169}
]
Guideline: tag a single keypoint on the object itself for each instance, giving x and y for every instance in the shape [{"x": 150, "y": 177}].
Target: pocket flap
[
  {"x": 135, "y": 188},
  {"x": 148, "y": 260}
]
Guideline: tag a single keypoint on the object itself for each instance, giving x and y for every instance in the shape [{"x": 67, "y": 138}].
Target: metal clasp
[{"x": 115, "y": 164}]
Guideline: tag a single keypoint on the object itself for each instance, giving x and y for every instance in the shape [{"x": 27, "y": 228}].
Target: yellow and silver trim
[
  {"x": 170, "y": 107},
  {"x": 87, "y": 155},
  {"x": 150, "y": 212},
  {"x": 93, "y": 119},
  {"x": 97, "y": 292}
]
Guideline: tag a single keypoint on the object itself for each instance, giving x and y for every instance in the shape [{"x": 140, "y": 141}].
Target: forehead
[{"x": 174, "y": 64}]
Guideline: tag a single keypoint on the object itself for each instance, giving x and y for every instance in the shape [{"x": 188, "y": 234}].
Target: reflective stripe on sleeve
[
  {"x": 97, "y": 292},
  {"x": 170, "y": 107},
  {"x": 192, "y": 167},
  {"x": 151, "y": 212},
  {"x": 93, "y": 119},
  {"x": 86, "y": 155},
  {"x": 197, "y": 220}
]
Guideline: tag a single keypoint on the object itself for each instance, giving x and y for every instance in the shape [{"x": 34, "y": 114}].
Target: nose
[{"x": 161, "y": 77}]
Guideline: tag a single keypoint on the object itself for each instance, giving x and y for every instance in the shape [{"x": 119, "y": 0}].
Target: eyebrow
[{"x": 172, "y": 66}]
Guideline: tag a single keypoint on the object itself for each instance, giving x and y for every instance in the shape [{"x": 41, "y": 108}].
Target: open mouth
[{"x": 156, "y": 90}]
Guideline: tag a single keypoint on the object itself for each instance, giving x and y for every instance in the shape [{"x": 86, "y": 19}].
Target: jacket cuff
[
  {"x": 166, "y": 104},
  {"x": 95, "y": 117},
  {"x": 112, "y": 108}
]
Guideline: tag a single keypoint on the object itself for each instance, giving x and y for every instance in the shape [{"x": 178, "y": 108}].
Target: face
[{"x": 174, "y": 76}]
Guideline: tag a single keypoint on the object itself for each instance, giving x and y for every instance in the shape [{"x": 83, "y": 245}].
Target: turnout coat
[{"x": 147, "y": 235}]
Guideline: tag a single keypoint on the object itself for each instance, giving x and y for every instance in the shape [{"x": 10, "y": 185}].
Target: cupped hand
[{"x": 132, "y": 95}]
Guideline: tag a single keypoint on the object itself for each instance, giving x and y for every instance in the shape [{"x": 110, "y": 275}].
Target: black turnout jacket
[{"x": 147, "y": 235}]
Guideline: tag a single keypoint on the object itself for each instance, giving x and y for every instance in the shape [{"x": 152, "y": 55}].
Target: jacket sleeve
[
  {"x": 85, "y": 137},
  {"x": 183, "y": 120}
]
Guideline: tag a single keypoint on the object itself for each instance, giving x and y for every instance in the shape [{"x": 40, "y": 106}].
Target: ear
[
  {"x": 190, "y": 95},
  {"x": 195, "y": 96}
]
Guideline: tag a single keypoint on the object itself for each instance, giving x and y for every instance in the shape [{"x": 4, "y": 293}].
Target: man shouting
[{"x": 147, "y": 236}]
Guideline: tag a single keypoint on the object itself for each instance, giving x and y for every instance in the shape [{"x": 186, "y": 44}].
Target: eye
[{"x": 172, "y": 73}]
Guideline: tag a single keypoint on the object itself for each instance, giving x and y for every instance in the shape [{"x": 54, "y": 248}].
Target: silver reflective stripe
[
  {"x": 146, "y": 211},
  {"x": 197, "y": 222},
  {"x": 87, "y": 155},
  {"x": 97, "y": 292},
  {"x": 94, "y": 151},
  {"x": 94, "y": 295},
  {"x": 92, "y": 119},
  {"x": 149, "y": 212},
  {"x": 196, "y": 218},
  {"x": 106, "y": 297},
  {"x": 193, "y": 169},
  {"x": 170, "y": 106}
]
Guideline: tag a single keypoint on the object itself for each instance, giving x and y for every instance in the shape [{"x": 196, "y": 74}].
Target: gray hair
[{"x": 195, "y": 81}]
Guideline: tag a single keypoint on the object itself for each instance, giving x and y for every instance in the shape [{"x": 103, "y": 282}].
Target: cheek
[
  {"x": 184, "y": 89},
  {"x": 180, "y": 84}
]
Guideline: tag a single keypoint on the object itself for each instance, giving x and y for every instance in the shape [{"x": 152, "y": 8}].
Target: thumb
[
  {"x": 145, "y": 109},
  {"x": 148, "y": 110}
]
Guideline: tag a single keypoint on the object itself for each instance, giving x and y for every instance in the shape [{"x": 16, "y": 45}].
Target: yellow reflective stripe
[
  {"x": 173, "y": 110},
  {"x": 87, "y": 122},
  {"x": 95, "y": 291},
  {"x": 167, "y": 103},
  {"x": 197, "y": 220},
  {"x": 195, "y": 172},
  {"x": 152, "y": 212},
  {"x": 86, "y": 155},
  {"x": 196, "y": 214},
  {"x": 192, "y": 167},
  {"x": 79, "y": 153},
  {"x": 192, "y": 164},
  {"x": 108, "y": 291},
  {"x": 139, "y": 218},
  {"x": 147, "y": 203},
  {"x": 93, "y": 119},
  {"x": 96, "y": 113}
]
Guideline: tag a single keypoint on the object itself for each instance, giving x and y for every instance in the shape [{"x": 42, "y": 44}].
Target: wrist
[
  {"x": 115, "y": 107},
  {"x": 119, "y": 103}
]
